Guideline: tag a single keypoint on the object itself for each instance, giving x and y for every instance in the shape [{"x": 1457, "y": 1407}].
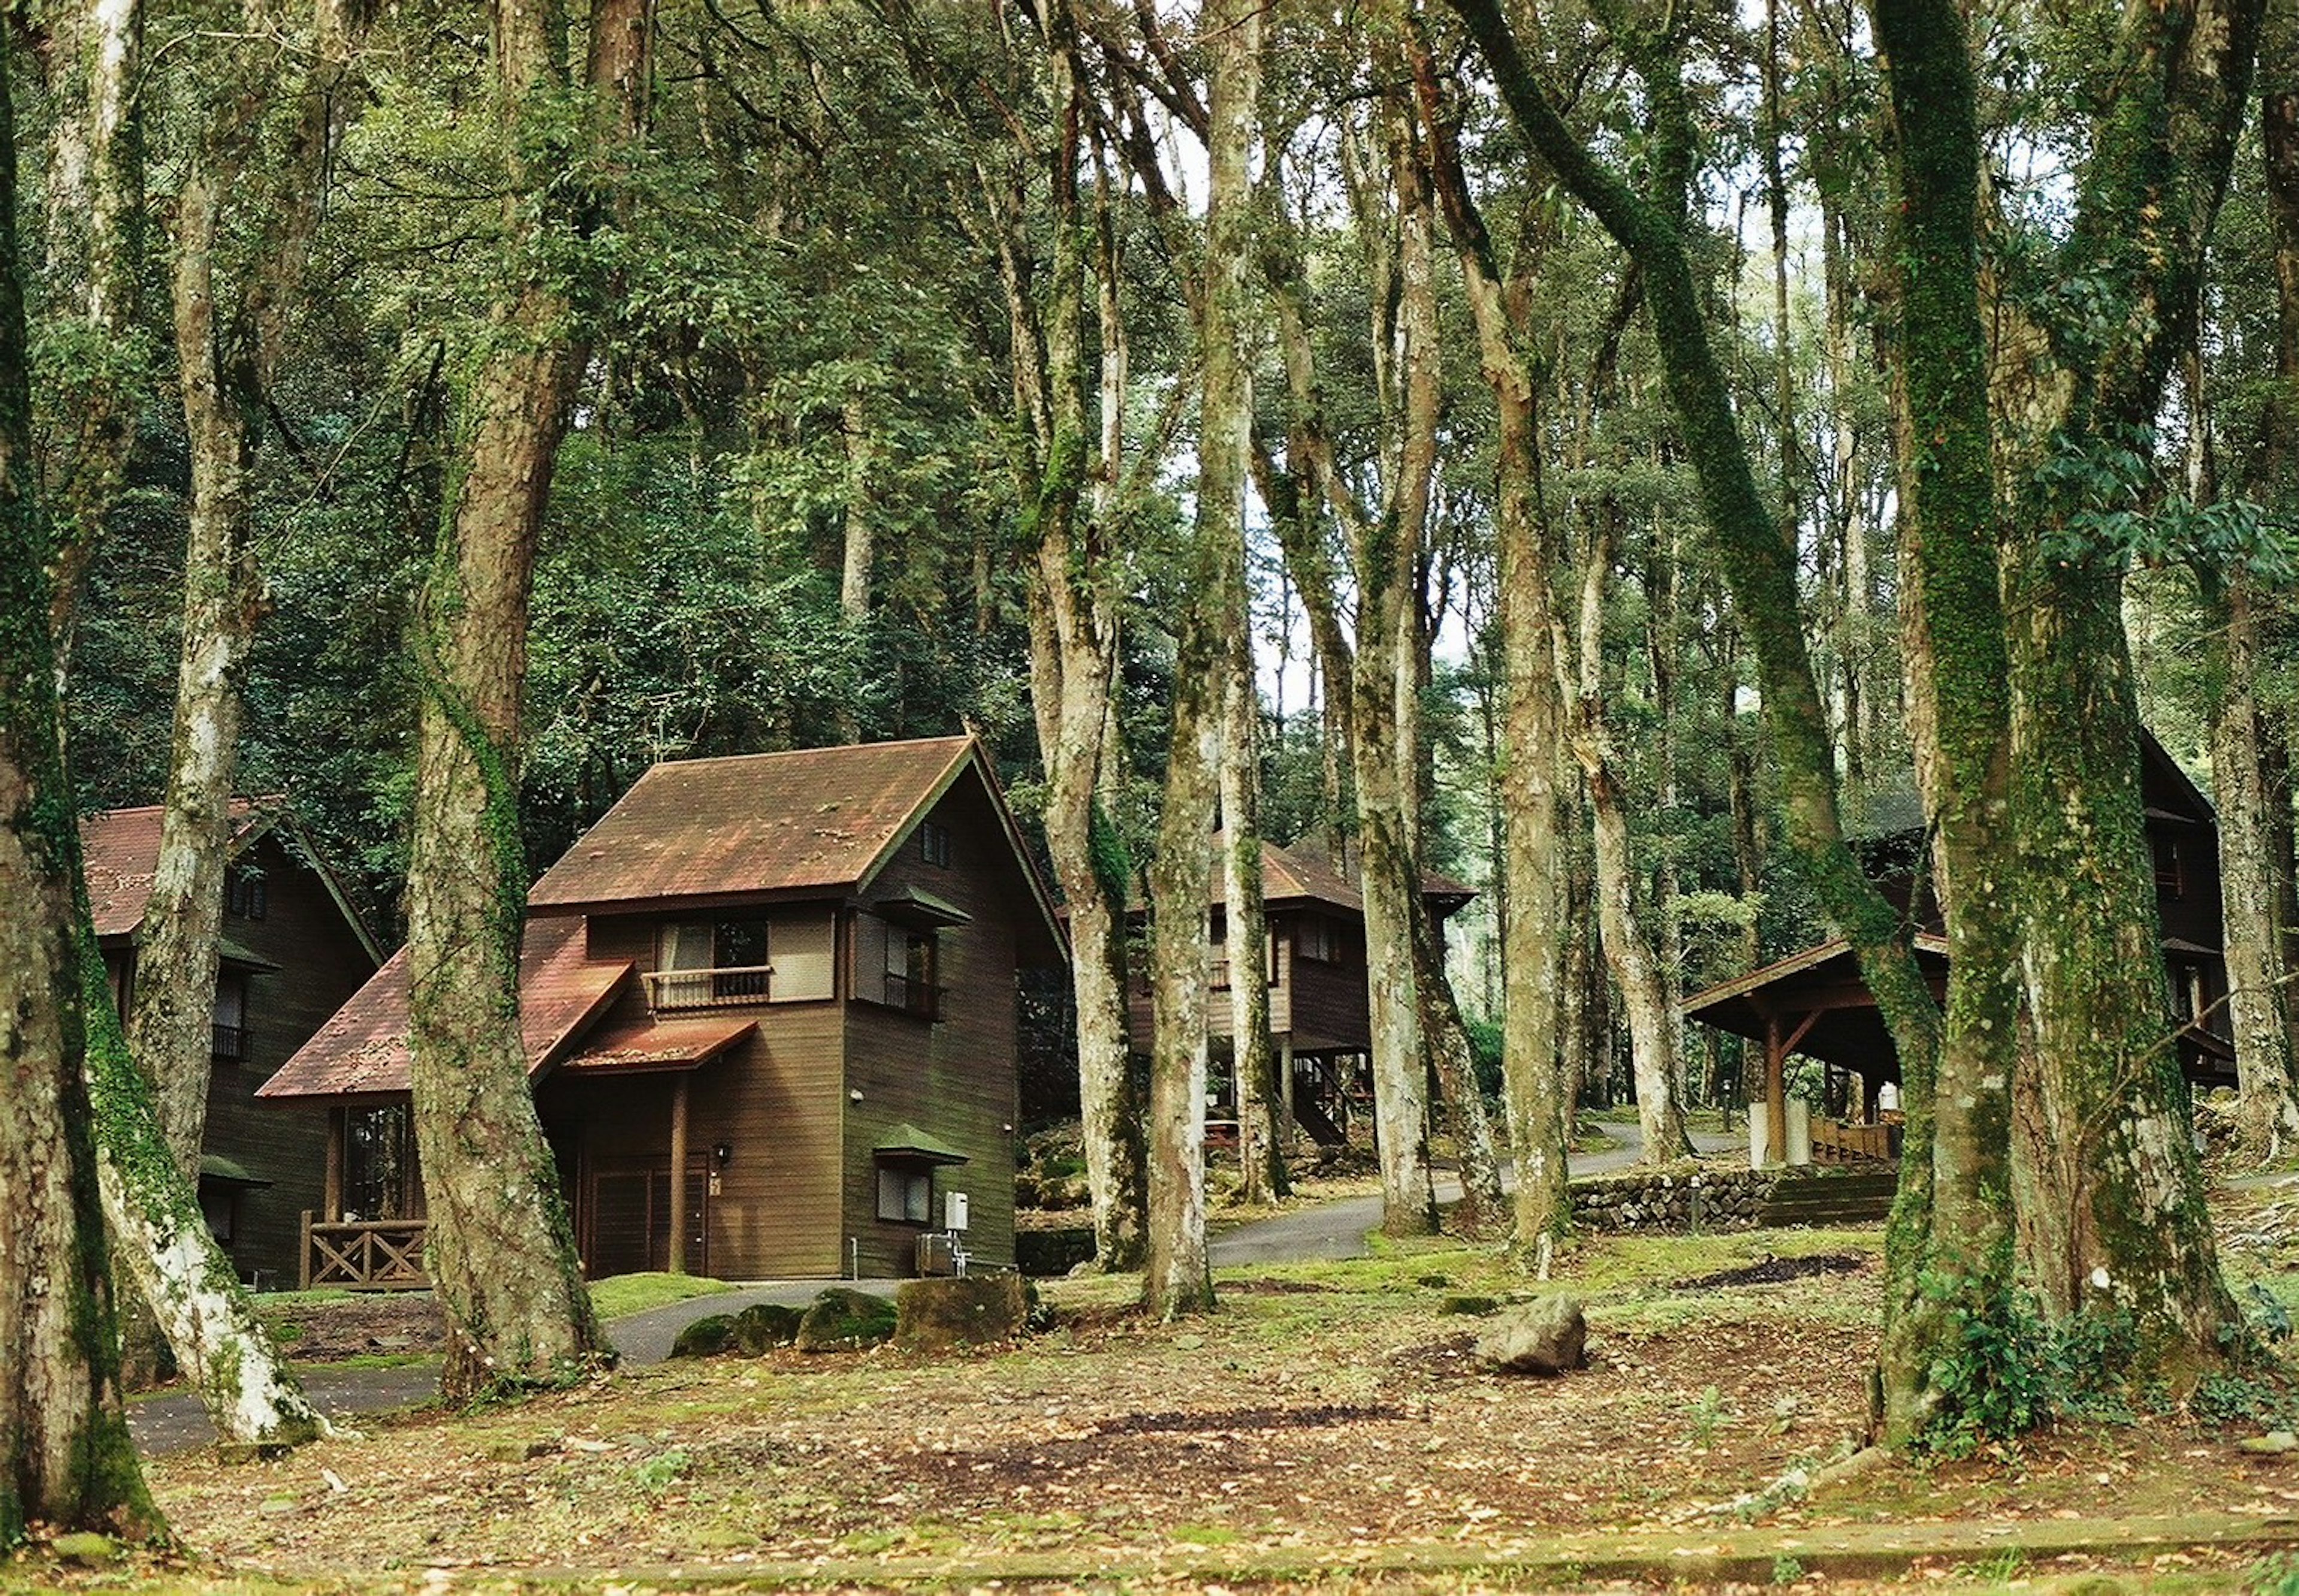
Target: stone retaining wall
[{"x": 1679, "y": 1199}]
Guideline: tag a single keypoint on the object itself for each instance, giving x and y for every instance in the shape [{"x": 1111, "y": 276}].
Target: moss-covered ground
[{"x": 1329, "y": 1420}]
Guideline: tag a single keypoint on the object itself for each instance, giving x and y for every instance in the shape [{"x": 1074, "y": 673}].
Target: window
[
  {"x": 2171, "y": 880},
  {"x": 906, "y": 1193},
  {"x": 244, "y": 895},
  {"x": 230, "y": 1019},
  {"x": 379, "y": 1163},
  {"x": 707, "y": 962},
  {"x": 934, "y": 844},
  {"x": 896, "y": 967},
  {"x": 1314, "y": 938}
]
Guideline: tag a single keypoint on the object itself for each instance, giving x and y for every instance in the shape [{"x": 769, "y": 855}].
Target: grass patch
[{"x": 618, "y": 1296}]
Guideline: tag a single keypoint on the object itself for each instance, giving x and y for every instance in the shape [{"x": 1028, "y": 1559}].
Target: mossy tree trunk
[
  {"x": 1949, "y": 1238},
  {"x": 500, "y": 1246},
  {"x": 2255, "y": 853},
  {"x": 2109, "y": 1195},
  {"x": 96, "y": 224},
  {"x": 1074, "y": 631},
  {"x": 69, "y": 1461},
  {"x": 1253, "y": 1054},
  {"x": 1207, "y": 648}
]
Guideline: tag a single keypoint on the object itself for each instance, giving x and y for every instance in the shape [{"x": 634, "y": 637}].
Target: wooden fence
[{"x": 378, "y": 1255}]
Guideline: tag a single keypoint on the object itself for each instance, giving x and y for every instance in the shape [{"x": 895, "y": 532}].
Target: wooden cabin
[
  {"x": 1320, "y": 1009},
  {"x": 1814, "y": 1003},
  {"x": 293, "y": 952},
  {"x": 769, "y": 1007}
]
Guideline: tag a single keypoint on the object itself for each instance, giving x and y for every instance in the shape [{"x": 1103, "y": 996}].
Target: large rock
[
  {"x": 933, "y": 1316},
  {"x": 765, "y": 1326},
  {"x": 841, "y": 1320},
  {"x": 706, "y": 1337},
  {"x": 1544, "y": 1337}
]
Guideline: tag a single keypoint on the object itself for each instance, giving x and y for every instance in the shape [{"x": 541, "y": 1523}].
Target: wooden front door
[{"x": 626, "y": 1218}]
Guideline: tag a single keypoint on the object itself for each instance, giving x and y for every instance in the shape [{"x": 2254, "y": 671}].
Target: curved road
[{"x": 1334, "y": 1230}]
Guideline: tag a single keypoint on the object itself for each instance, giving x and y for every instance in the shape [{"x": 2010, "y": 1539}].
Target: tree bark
[
  {"x": 70, "y": 1462},
  {"x": 96, "y": 215},
  {"x": 1176, "y": 1279},
  {"x": 1074, "y": 648},
  {"x": 500, "y": 1245},
  {"x": 1253, "y": 1055},
  {"x": 1533, "y": 864}
]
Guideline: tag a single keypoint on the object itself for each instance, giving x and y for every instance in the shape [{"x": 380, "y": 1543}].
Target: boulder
[
  {"x": 841, "y": 1320},
  {"x": 706, "y": 1337},
  {"x": 1545, "y": 1337},
  {"x": 765, "y": 1326},
  {"x": 932, "y": 1316}
]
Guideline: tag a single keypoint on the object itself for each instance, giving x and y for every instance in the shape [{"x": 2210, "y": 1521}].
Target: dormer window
[
  {"x": 243, "y": 897},
  {"x": 934, "y": 844}
]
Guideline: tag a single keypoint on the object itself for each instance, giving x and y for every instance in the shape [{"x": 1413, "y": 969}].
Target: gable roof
[
  {"x": 1302, "y": 874},
  {"x": 362, "y": 1051},
  {"x": 813, "y": 819},
  {"x": 120, "y": 856}
]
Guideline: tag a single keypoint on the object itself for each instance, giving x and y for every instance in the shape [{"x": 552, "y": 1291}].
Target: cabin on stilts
[
  {"x": 1813, "y": 1003},
  {"x": 1320, "y": 1008}
]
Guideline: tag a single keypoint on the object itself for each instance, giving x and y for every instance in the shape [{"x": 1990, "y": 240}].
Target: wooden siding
[
  {"x": 774, "y": 1099},
  {"x": 322, "y": 964},
  {"x": 953, "y": 1078}
]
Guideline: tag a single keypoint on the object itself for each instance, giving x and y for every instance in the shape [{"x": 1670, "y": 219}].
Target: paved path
[
  {"x": 178, "y": 1422},
  {"x": 1334, "y": 1230}
]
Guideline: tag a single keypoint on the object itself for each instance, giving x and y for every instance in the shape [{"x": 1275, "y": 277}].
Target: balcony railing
[
  {"x": 229, "y": 1042},
  {"x": 726, "y": 987},
  {"x": 921, "y": 998}
]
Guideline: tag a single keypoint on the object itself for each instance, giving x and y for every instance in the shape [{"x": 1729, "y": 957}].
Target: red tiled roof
[
  {"x": 638, "y": 1045},
  {"x": 120, "y": 850},
  {"x": 819, "y": 818},
  {"x": 1300, "y": 875},
  {"x": 363, "y": 1049}
]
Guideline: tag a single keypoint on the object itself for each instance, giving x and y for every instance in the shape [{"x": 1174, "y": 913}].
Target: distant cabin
[
  {"x": 1314, "y": 962},
  {"x": 1814, "y": 1003},
  {"x": 293, "y": 952},
  {"x": 771, "y": 1022}
]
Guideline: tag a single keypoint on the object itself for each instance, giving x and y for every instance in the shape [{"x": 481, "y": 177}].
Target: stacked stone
[{"x": 1672, "y": 1200}]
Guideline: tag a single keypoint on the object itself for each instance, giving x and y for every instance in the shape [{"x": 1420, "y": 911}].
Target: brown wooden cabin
[
  {"x": 1814, "y": 1003},
  {"x": 1320, "y": 1010},
  {"x": 790, "y": 976},
  {"x": 293, "y": 952}
]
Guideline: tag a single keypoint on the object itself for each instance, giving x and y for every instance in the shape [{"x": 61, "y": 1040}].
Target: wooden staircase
[{"x": 1830, "y": 1199}]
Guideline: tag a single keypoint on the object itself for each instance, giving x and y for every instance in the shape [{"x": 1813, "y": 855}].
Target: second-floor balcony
[
  {"x": 228, "y": 1042},
  {"x": 922, "y": 998},
  {"x": 721, "y": 987}
]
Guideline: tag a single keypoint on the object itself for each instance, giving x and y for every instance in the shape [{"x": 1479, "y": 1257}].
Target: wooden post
[
  {"x": 332, "y": 1202},
  {"x": 1776, "y": 1092},
  {"x": 677, "y": 1263},
  {"x": 1286, "y": 1137},
  {"x": 304, "y": 1253}
]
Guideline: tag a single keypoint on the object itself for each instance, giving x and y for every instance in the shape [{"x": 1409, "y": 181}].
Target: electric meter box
[{"x": 953, "y": 1210}]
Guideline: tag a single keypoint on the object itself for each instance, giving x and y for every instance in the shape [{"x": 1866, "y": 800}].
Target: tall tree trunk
[
  {"x": 1073, "y": 650},
  {"x": 1253, "y": 1054},
  {"x": 1655, "y": 1045},
  {"x": 96, "y": 226},
  {"x": 2257, "y": 995},
  {"x": 1176, "y": 1279},
  {"x": 1534, "y": 932},
  {"x": 68, "y": 1462},
  {"x": 501, "y": 1249}
]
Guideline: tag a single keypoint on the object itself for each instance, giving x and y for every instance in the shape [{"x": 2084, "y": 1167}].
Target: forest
[{"x": 1676, "y": 468}]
